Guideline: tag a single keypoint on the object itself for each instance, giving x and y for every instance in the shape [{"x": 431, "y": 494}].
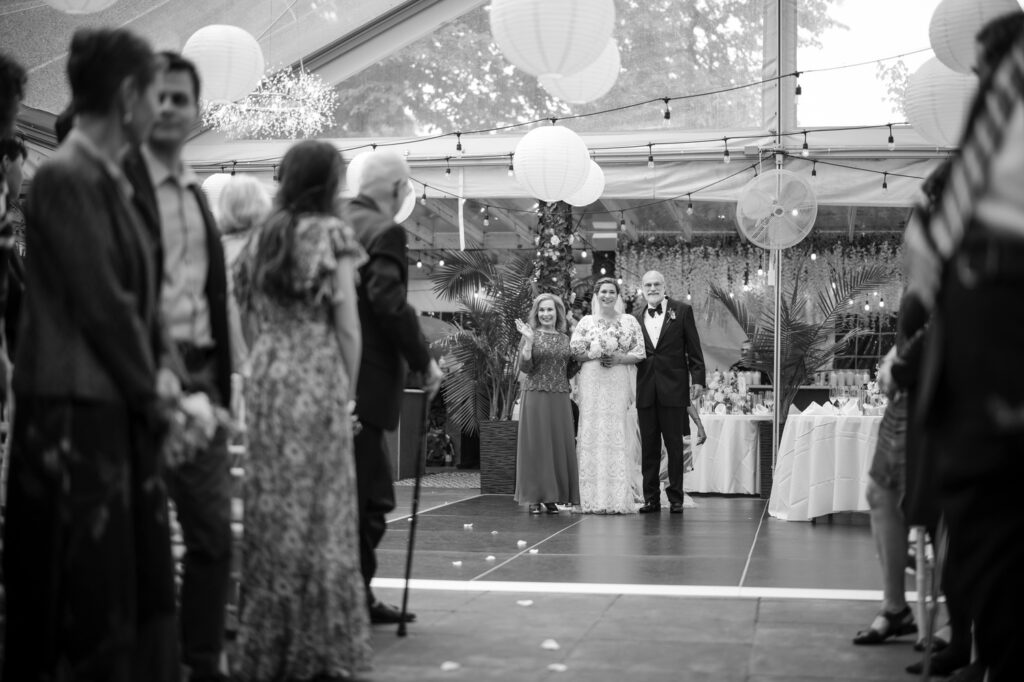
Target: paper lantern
[
  {"x": 591, "y": 83},
  {"x": 592, "y": 188},
  {"x": 408, "y": 204},
  {"x": 80, "y": 6},
  {"x": 936, "y": 102},
  {"x": 213, "y": 185},
  {"x": 551, "y": 162},
  {"x": 354, "y": 172},
  {"x": 229, "y": 60},
  {"x": 955, "y": 24},
  {"x": 558, "y": 37}
]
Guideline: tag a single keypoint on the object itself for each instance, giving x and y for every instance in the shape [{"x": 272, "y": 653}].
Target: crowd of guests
[
  {"x": 949, "y": 458},
  {"x": 125, "y": 293}
]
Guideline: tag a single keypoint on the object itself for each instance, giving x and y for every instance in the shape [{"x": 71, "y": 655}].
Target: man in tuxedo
[
  {"x": 392, "y": 344},
  {"x": 193, "y": 301},
  {"x": 673, "y": 356}
]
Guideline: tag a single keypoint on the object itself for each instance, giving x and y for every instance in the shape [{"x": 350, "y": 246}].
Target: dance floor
[{"x": 723, "y": 592}]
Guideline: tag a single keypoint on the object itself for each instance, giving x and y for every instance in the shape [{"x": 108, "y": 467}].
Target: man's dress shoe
[
  {"x": 676, "y": 508},
  {"x": 386, "y": 613},
  {"x": 650, "y": 508}
]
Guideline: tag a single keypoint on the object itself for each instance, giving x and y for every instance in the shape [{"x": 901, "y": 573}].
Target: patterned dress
[
  {"x": 546, "y": 468},
  {"x": 303, "y": 606}
]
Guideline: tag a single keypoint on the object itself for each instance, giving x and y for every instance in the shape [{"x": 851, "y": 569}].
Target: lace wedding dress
[{"x": 608, "y": 439}]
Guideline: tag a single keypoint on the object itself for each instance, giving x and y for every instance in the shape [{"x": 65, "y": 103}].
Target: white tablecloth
[
  {"x": 727, "y": 462},
  {"x": 823, "y": 466}
]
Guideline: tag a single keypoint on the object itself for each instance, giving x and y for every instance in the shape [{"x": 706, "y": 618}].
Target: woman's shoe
[
  {"x": 551, "y": 507},
  {"x": 535, "y": 509},
  {"x": 887, "y": 625}
]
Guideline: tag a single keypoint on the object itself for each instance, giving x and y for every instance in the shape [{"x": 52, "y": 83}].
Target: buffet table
[
  {"x": 727, "y": 461},
  {"x": 823, "y": 465}
]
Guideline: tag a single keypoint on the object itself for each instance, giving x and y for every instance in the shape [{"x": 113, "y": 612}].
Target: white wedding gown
[{"x": 608, "y": 440}]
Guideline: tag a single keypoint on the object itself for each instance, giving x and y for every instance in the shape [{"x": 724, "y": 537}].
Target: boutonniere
[{"x": 671, "y": 314}]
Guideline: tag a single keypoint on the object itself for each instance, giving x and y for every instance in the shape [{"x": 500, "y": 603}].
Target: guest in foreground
[
  {"x": 966, "y": 258},
  {"x": 303, "y": 607},
  {"x": 546, "y": 470},
  {"x": 392, "y": 344},
  {"x": 12, "y": 91},
  {"x": 87, "y": 555},
  {"x": 193, "y": 295},
  {"x": 671, "y": 357},
  {"x": 608, "y": 343}
]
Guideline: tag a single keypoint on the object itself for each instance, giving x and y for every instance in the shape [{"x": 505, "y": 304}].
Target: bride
[{"x": 608, "y": 343}]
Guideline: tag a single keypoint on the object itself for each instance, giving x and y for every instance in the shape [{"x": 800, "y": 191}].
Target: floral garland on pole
[{"x": 554, "y": 267}]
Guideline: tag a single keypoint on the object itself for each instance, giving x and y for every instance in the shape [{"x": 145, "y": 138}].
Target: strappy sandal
[
  {"x": 887, "y": 625},
  {"x": 551, "y": 507},
  {"x": 535, "y": 509}
]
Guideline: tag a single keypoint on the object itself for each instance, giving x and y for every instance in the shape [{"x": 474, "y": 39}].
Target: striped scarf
[{"x": 935, "y": 232}]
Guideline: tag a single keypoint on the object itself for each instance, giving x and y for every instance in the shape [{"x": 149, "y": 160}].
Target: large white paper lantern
[
  {"x": 354, "y": 172},
  {"x": 955, "y": 24},
  {"x": 213, "y": 185},
  {"x": 551, "y": 162},
  {"x": 80, "y": 6},
  {"x": 229, "y": 60},
  {"x": 591, "y": 83},
  {"x": 936, "y": 102},
  {"x": 559, "y": 37},
  {"x": 592, "y": 188},
  {"x": 408, "y": 204}
]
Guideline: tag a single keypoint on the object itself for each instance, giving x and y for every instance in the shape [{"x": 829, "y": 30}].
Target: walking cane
[{"x": 421, "y": 451}]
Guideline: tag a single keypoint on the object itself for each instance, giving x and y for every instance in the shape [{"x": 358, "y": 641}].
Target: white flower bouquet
[{"x": 600, "y": 341}]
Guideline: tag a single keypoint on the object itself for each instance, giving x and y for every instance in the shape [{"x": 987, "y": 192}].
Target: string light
[
  {"x": 487, "y": 220},
  {"x": 867, "y": 306},
  {"x": 583, "y": 254},
  {"x": 276, "y": 178},
  {"x": 603, "y": 271},
  {"x": 441, "y": 262},
  {"x": 799, "y": 90},
  {"x": 423, "y": 198},
  {"x": 667, "y": 114},
  {"x": 650, "y": 155},
  {"x": 725, "y": 154},
  {"x": 805, "y": 152},
  {"x": 419, "y": 263},
  {"x": 447, "y": 165},
  {"x": 511, "y": 170},
  {"x": 458, "y": 144},
  {"x": 689, "y": 297},
  {"x": 814, "y": 256},
  {"x": 881, "y": 303},
  {"x": 622, "y": 221},
  {"x": 814, "y": 169},
  {"x": 892, "y": 141},
  {"x": 885, "y": 184},
  {"x": 689, "y": 205}
]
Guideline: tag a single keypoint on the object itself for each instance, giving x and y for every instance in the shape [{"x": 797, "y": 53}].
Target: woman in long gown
[
  {"x": 608, "y": 343},
  {"x": 303, "y": 605},
  {"x": 546, "y": 470}
]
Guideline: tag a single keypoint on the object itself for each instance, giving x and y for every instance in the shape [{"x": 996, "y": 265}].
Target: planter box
[{"x": 498, "y": 445}]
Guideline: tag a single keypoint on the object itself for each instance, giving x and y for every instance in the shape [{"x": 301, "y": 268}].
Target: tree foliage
[{"x": 457, "y": 79}]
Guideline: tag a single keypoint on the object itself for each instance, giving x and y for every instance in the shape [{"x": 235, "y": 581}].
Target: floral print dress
[{"x": 303, "y": 604}]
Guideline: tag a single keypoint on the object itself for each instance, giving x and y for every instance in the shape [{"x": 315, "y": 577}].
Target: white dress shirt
[{"x": 653, "y": 324}]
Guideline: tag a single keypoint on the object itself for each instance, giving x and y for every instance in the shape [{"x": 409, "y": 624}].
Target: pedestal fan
[{"x": 775, "y": 211}]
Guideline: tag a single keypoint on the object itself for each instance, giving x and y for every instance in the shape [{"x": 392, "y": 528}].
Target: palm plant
[
  {"x": 483, "y": 381},
  {"x": 806, "y": 346}
]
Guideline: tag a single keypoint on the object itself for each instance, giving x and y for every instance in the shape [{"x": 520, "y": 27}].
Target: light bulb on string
[
  {"x": 725, "y": 154},
  {"x": 603, "y": 271},
  {"x": 885, "y": 183},
  {"x": 423, "y": 197},
  {"x": 892, "y": 140},
  {"x": 814, "y": 256},
  {"x": 487, "y": 219},
  {"x": 805, "y": 151},
  {"x": 419, "y": 263},
  {"x": 689, "y": 205},
  {"x": 814, "y": 169},
  {"x": 233, "y": 164},
  {"x": 689, "y": 297},
  {"x": 458, "y": 144},
  {"x": 650, "y": 155},
  {"x": 583, "y": 254},
  {"x": 867, "y": 306},
  {"x": 622, "y": 222},
  {"x": 799, "y": 90},
  {"x": 441, "y": 262},
  {"x": 667, "y": 114},
  {"x": 511, "y": 169},
  {"x": 881, "y": 303},
  {"x": 447, "y": 165}
]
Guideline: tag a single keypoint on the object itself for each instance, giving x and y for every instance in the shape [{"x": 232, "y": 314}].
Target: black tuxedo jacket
[
  {"x": 392, "y": 340},
  {"x": 663, "y": 378},
  {"x": 216, "y": 276}
]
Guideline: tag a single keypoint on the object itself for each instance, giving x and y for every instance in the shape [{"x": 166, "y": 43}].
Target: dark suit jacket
[
  {"x": 216, "y": 277},
  {"x": 663, "y": 378},
  {"x": 90, "y": 318},
  {"x": 392, "y": 340}
]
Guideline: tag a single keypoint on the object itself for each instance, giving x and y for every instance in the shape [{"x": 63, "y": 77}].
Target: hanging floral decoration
[
  {"x": 742, "y": 269},
  {"x": 554, "y": 267}
]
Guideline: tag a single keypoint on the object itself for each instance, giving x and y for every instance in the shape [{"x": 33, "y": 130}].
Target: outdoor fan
[{"x": 775, "y": 211}]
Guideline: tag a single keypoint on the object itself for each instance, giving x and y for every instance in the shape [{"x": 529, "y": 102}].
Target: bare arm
[{"x": 346, "y": 319}]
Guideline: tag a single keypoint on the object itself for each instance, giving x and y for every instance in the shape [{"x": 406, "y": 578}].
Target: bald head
[{"x": 653, "y": 284}]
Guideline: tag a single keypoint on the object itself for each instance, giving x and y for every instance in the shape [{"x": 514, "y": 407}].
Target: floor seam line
[
  {"x": 420, "y": 512},
  {"x": 753, "y": 544},
  {"x": 525, "y": 550}
]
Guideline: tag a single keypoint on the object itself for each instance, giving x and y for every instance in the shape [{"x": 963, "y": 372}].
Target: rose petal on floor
[{"x": 550, "y": 645}]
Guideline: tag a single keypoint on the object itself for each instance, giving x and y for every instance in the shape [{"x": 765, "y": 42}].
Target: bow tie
[{"x": 653, "y": 312}]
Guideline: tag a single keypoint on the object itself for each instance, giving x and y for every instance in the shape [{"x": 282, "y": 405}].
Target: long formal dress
[
  {"x": 546, "y": 469},
  {"x": 303, "y": 606},
  {"x": 607, "y": 441}
]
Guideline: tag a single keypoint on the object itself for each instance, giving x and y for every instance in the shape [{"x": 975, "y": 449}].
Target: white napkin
[
  {"x": 850, "y": 408},
  {"x": 816, "y": 409},
  {"x": 721, "y": 409}
]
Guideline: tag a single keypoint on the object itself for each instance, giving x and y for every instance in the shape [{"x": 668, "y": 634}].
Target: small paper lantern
[
  {"x": 229, "y": 60},
  {"x": 955, "y": 24},
  {"x": 592, "y": 188},
  {"x": 408, "y": 204},
  {"x": 551, "y": 162},
  {"x": 559, "y": 37},
  {"x": 80, "y": 6},
  {"x": 591, "y": 83},
  {"x": 936, "y": 102},
  {"x": 214, "y": 185}
]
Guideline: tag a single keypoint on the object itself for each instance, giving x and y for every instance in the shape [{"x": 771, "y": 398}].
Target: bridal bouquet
[
  {"x": 600, "y": 341},
  {"x": 194, "y": 423}
]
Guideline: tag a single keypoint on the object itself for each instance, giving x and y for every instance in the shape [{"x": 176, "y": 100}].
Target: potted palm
[
  {"x": 807, "y": 346},
  {"x": 482, "y": 381}
]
